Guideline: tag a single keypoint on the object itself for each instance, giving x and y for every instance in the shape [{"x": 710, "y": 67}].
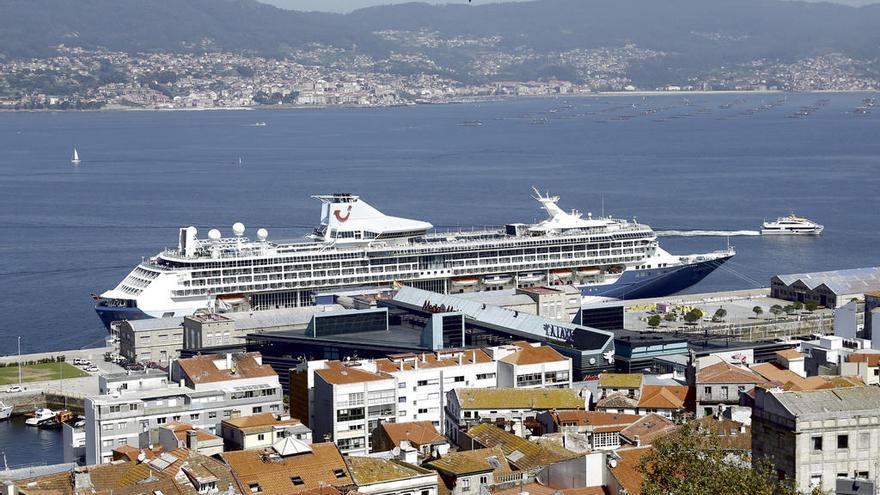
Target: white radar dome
[
  {"x": 214, "y": 235},
  {"x": 262, "y": 234},
  {"x": 192, "y": 230},
  {"x": 238, "y": 228}
]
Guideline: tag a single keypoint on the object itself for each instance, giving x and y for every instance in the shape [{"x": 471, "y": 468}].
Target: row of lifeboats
[{"x": 534, "y": 277}]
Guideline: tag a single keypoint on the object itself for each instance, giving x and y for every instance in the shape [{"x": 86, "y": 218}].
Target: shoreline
[{"x": 462, "y": 101}]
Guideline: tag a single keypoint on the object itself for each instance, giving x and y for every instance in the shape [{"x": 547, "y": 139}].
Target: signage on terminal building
[{"x": 558, "y": 332}]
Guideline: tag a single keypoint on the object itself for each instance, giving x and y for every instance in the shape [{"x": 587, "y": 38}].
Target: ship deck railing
[{"x": 435, "y": 242}]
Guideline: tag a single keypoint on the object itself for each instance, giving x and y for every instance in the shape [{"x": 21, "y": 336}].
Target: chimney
[
  {"x": 192, "y": 440},
  {"x": 228, "y": 360},
  {"x": 460, "y": 359},
  {"x": 474, "y": 356},
  {"x": 423, "y": 358}
]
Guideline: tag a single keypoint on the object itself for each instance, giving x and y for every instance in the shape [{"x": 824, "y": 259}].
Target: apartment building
[
  {"x": 130, "y": 408},
  {"x": 290, "y": 467},
  {"x": 261, "y": 430},
  {"x": 524, "y": 365},
  {"x": 516, "y": 408},
  {"x": 719, "y": 386},
  {"x": 151, "y": 339},
  {"x": 349, "y": 403},
  {"x": 469, "y": 472},
  {"x": 818, "y": 437}
]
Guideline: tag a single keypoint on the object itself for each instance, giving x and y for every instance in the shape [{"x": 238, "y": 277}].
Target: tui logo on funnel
[{"x": 339, "y": 216}]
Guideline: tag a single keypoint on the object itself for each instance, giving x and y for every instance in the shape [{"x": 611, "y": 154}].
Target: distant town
[{"x": 321, "y": 75}]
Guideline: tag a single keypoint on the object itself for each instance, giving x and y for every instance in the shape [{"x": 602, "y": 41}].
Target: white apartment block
[
  {"x": 349, "y": 403},
  {"x": 421, "y": 383},
  {"x": 132, "y": 406}
]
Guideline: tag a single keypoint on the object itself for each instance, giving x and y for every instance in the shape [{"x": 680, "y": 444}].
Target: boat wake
[{"x": 706, "y": 233}]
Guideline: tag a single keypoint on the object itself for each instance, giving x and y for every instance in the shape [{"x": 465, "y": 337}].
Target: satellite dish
[
  {"x": 262, "y": 234},
  {"x": 214, "y": 235},
  {"x": 238, "y": 229},
  {"x": 612, "y": 463},
  {"x": 592, "y": 360}
]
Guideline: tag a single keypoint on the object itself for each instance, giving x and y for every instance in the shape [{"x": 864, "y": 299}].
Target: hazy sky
[{"x": 349, "y": 5}]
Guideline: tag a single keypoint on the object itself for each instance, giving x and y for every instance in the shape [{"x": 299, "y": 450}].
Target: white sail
[{"x": 75, "y": 158}]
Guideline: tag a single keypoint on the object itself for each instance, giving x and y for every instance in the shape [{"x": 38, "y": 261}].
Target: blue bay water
[{"x": 696, "y": 162}]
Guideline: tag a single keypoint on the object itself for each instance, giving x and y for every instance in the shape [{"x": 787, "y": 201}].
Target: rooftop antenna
[{"x": 603, "y": 205}]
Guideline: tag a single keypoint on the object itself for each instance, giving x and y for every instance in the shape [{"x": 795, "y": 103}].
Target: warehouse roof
[
  {"x": 850, "y": 281},
  {"x": 820, "y": 403}
]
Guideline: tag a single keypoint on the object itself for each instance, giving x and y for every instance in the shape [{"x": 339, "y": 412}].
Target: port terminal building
[{"x": 416, "y": 320}]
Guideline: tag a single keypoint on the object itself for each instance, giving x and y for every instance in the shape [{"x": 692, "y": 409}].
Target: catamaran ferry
[{"x": 357, "y": 245}]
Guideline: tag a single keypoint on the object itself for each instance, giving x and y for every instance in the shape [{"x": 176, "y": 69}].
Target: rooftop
[
  {"x": 519, "y": 452},
  {"x": 279, "y": 475},
  {"x": 663, "y": 396},
  {"x": 724, "y": 372},
  {"x": 600, "y": 421},
  {"x": 213, "y": 368},
  {"x": 535, "y": 488},
  {"x": 732, "y": 435},
  {"x": 260, "y": 422},
  {"x": 525, "y": 355},
  {"x": 472, "y": 461},
  {"x": 415, "y": 432},
  {"x": 816, "y": 404},
  {"x": 177, "y": 472},
  {"x": 841, "y": 282},
  {"x": 372, "y": 470},
  {"x": 337, "y": 373},
  {"x": 437, "y": 359},
  {"x": 789, "y": 354},
  {"x": 627, "y": 472},
  {"x": 620, "y": 380},
  {"x": 519, "y": 398},
  {"x": 648, "y": 428}
]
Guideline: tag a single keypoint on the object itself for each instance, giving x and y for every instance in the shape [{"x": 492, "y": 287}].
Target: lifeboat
[
  {"x": 615, "y": 269},
  {"x": 497, "y": 279},
  {"x": 562, "y": 273},
  {"x": 586, "y": 271},
  {"x": 465, "y": 281},
  {"x": 530, "y": 277},
  {"x": 232, "y": 299}
]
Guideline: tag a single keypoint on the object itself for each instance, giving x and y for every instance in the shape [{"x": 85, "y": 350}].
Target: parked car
[
  {"x": 135, "y": 367},
  {"x": 14, "y": 389},
  {"x": 91, "y": 368}
]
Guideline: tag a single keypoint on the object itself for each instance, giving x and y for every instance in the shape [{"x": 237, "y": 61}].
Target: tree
[
  {"x": 758, "y": 311},
  {"x": 654, "y": 321},
  {"x": 670, "y": 317},
  {"x": 693, "y": 316},
  {"x": 719, "y": 315},
  {"x": 789, "y": 309},
  {"x": 776, "y": 310},
  {"x": 692, "y": 462},
  {"x": 798, "y": 305},
  {"x": 811, "y": 306}
]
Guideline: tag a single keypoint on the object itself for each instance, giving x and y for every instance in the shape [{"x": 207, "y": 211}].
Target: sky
[{"x": 349, "y": 5}]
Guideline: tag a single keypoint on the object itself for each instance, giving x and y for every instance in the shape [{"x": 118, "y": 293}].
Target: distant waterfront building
[
  {"x": 261, "y": 431},
  {"x": 157, "y": 339},
  {"x": 830, "y": 289}
]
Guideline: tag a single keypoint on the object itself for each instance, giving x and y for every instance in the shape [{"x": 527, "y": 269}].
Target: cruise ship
[
  {"x": 791, "y": 225},
  {"x": 356, "y": 245}
]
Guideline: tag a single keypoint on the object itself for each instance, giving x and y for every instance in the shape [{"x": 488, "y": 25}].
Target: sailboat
[{"x": 75, "y": 159}]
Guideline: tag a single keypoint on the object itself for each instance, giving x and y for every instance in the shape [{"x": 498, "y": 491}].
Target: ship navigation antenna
[{"x": 603, "y": 205}]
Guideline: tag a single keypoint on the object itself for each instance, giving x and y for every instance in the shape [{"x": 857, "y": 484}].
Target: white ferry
[
  {"x": 356, "y": 245},
  {"x": 791, "y": 225}
]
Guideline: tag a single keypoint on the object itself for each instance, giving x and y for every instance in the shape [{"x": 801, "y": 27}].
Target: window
[
  {"x": 107, "y": 443},
  {"x": 707, "y": 390},
  {"x": 339, "y": 473},
  {"x": 194, "y": 417},
  {"x": 842, "y": 441},
  {"x": 350, "y": 414},
  {"x": 421, "y": 383},
  {"x": 123, "y": 441},
  {"x": 401, "y": 399},
  {"x": 425, "y": 492},
  {"x": 423, "y": 411},
  {"x": 261, "y": 436},
  {"x": 108, "y": 427},
  {"x": 465, "y": 484},
  {"x": 255, "y": 487},
  {"x": 115, "y": 409},
  {"x": 297, "y": 480},
  {"x": 862, "y": 475},
  {"x": 485, "y": 376},
  {"x": 864, "y": 440},
  {"x": 258, "y": 409},
  {"x": 212, "y": 414},
  {"x": 484, "y": 480},
  {"x": 401, "y": 385},
  {"x": 817, "y": 444},
  {"x": 132, "y": 407},
  {"x": 161, "y": 421},
  {"x": 458, "y": 379},
  {"x": 724, "y": 392}
]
